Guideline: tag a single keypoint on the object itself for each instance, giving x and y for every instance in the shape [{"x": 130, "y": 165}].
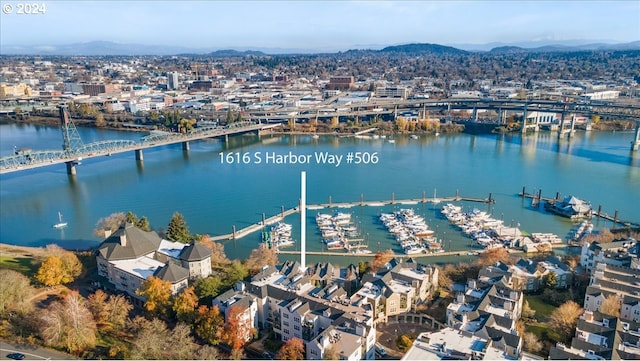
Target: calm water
[{"x": 213, "y": 196}]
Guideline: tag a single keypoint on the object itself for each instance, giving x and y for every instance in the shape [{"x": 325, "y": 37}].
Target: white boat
[{"x": 60, "y": 223}]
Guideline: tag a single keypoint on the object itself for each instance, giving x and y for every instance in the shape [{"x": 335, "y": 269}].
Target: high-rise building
[{"x": 172, "y": 80}]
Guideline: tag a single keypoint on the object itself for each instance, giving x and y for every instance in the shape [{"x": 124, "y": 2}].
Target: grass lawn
[
  {"x": 544, "y": 332},
  {"x": 19, "y": 264},
  {"x": 543, "y": 309}
]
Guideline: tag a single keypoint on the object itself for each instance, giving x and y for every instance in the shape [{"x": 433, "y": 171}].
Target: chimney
[
  {"x": 123, "y": 240},
  {"x": 107, "y": 233}
]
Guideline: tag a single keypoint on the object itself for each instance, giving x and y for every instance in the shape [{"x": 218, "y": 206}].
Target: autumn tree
[
  {"x": 157, "y": 294},
  {"x": 109, "y": 312},
  {"x": 491, "y": 256},
  {"x": 235, "y": 331},
  {"x": 100, "y": 122},
  {"x": 177, "y": 229},
  {"x": 527, "y": 311},
  {"x": 293, "y": 349},
  {"x": 531, "y": 342},
  {"x": 611, "y": 305},
  {"x": 109, "y": 224},
  {"x": 151, "y": 339},
  {"x": 382, "y": 258},
  {"x": 331, "y": 353},
  {"x": 68, "y": 324},
  {"x": 565, "y": 318},
  {"x": 261, "y": 256},
  {"x": 218, "y": 257},
  {"x": 209, "y": 324},
  {"x": 51, "y": 272},
  {"x": 14, "y": 292},
  {"x": 207, "y": 352},
  {"x": 185, "y": 304}
]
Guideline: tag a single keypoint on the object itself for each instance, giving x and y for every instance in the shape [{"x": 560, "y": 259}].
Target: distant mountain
[
  {"x": 231, "y": 52},
  {"x": 553, "y": 45},
  {"x": 508, "y": 50},
  {"x": 106, "y": 48},
  {"x": 422, "y": 49}
]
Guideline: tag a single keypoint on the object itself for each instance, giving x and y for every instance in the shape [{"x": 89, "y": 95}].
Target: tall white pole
[{"x": 303, "y": 219}]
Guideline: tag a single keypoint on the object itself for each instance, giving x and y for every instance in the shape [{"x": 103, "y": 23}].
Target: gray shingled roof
[
  {"x": 195, "y": 252},
  {"x": 137, "y": 243},
  {"x": 172, "y": 273}
]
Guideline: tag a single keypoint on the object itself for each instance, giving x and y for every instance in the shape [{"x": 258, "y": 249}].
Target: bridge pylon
[{"x": 70, "y": 138}]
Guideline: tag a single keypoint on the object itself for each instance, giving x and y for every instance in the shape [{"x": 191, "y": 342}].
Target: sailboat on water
[{"x": 60, "y": 223}]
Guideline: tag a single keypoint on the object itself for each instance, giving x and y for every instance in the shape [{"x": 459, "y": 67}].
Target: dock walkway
[{"x": 237, "y": 234}]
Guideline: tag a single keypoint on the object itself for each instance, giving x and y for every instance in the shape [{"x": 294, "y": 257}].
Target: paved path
[{"x": 32, "y": 352}]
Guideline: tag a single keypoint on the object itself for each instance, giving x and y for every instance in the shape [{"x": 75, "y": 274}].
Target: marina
[{"x": 220, "y": 198}]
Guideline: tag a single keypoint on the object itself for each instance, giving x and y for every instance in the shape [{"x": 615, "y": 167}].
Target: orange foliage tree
[
  {"x": 236, "y": 330},
  {"x": 157, "y": 293},
  {"x": 209, "y": 324},
  {"x": 185, "y": 305},
  {"x": 293, "y": 349}
]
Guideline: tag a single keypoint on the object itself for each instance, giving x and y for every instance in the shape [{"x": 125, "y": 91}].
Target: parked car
[
  {"x": 15, "y": 356},
  {"x": 380, "y": 350}
]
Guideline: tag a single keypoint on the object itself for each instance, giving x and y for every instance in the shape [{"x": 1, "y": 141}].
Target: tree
[
  {"x": 182, "y": 343},
  {"x": 15, "y": 291},
  {"x": 50, "y": 272},
  {"x": 293, "y": 349},
  {"x": 151, "y": 339},
  {"x": 143, "y": 224},
  {"x": 261, "y": 256},
  {"x": 207, "y": 352},
  {"x": 208, "y": 287},
  {"x": 611, "y": 305},
  {"x": 177, "y": 229},
  {"x": 68, "y": 324},
  {"x": 109, "y": 312},
  {"x": 109, "y": 224},
  {"x": 233, "y": 273},
  {"x": 550, "y": 280},
  {"x": 157, "y": 293},
  {"x": 235, "y": 331},
  {"x": 218, "y": 257},
  {"x": 531, "y": 342},
  {"x": 491, "y": 256},
  {"x": 131, "y": 218},
  {"x": 184, "y": 305},
  {"x": 565, "y": 318},
  {"x": 331, "y": 353},
  {"x": 100, "y": 120},
  {"x": 209, "y": 324},
  {"x": 527, "y": 311},
  {"x": 382, "y": 258}
]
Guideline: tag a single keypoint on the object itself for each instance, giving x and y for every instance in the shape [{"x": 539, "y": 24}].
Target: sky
[{"x": 319, "y": 25}]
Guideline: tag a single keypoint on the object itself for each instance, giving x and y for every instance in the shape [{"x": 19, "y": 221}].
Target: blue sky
[{"x": 321, "y": 25}]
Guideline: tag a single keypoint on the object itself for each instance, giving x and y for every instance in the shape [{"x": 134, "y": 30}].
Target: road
[{"x": 32, "y": 352}]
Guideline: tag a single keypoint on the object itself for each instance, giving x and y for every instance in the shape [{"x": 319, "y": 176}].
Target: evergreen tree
[
  {"x": 177, "y": 229},
  {"x": 143, "y": 224}
]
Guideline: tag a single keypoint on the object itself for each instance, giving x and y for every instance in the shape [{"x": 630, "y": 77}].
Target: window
[
  {"x": 285, "y": 315},
  {"x": 286, "y": 323},
  {"x": 286, "y": 330},
  {"x": 296, "y": 319},
  {"x": 296, "y": 327}
]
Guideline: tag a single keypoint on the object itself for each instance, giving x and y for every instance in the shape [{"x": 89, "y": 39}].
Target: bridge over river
[{"x": 74, "y": 150}]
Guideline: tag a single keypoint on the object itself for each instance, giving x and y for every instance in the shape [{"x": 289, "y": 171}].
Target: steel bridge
[{"x": 74, "y": 150}]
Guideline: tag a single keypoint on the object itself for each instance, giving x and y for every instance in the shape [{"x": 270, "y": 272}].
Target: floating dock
[
  {"x": 237, "y": 234},
  {"x": 536, "y": 198}
]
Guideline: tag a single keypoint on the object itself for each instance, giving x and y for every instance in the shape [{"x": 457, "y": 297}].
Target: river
[{"x": 214, "y": 195}]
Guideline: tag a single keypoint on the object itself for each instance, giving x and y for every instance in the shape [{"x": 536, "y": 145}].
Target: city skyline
[{"x": 319, "y": 26}]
